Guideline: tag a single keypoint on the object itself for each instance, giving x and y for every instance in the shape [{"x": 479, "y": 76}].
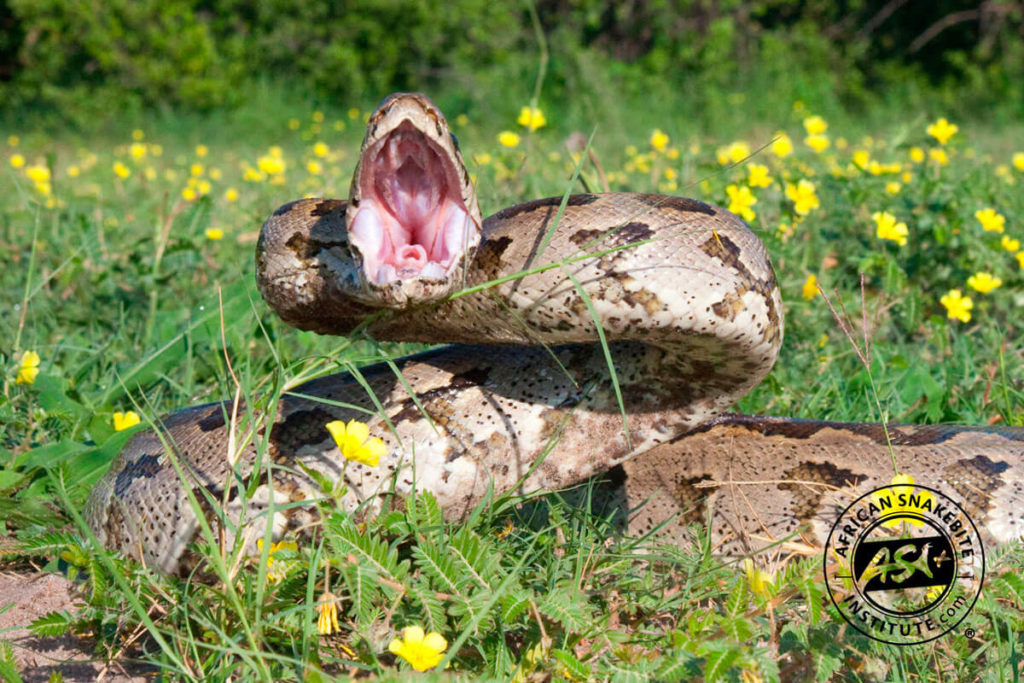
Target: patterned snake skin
[{"x": 683, "y": 293}]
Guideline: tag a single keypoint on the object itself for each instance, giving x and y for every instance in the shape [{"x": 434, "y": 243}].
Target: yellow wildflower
[
  {"x": 138, "y": 135},
  {"x": 815, "y": 125},
  {"x": 196, "y": 170},
  {"x": 202, "y": 151},
  {"x": 1018, "y": 161},
  {"x": 958, "y": 307},
  {"x": 810, "y": 289},
  {"x": 532, "y": 118},
  {"x": 759, "y": 176},
  {"x": 156, "y": 150},
  {"x": 991, "y": 220},
  {"x": 672, "y": 153},
  {"x": 215, "y": 174},
  {"x": 204, "y": 187},
  {"x": 121, "y": 171},
  {"x": 231, "y": 194},
  {"x": 983, "y": 282},
  {"x": 318, "y": 117},
  {"x": 188, "y": 194},
  {"x": 126, "y": 420},
  {"x": 733, "y": 153},
  {"x": 939, "y": 156},
  {"x": 271, "y": 164},
  {"x": 277, "y": 569},
  {"x": 17, "y": 161},
  {"x": 861, "y": 159},
  {"x": 889, "y": 229},
  {"x": 898, "y": 495},
  {"x": 740, "y": 201},
  {"x": 214, "y": 234},
  {"x": 321, "y": 149},
  {"x": 29, "y": 368},
  {"x": 327, "y": 622},
  {"x": 422, "y": 651},
  {"x": 252, "y": 175},
  {"x": 942, "y": 130},
  {"x": 137, "y": 150},
  {"x": 1020, "y": 259},
  {"x": 508, "y": 139},
  {"x": 817, "y": 142},
  {"x": 73, "y": 171},
  {"x": 355, "y": 443},
  {"x": 803, "y": 196},
  {"x": 38, "y": 174},
  {"x": 13, "y": 140},
  {"x": 760, "y": 581},
  {"x": 462, "y": 120},
  {"x": 353, "y": 113},
  {"x": 659, "y": 140},
  {"x": 1009, "y": 244},
  {"x": 893, "y": 187},
  {"x": 916, "y": 155},
  {"x": 314, "y": 167},
  {"x": 782, "y": 146}
]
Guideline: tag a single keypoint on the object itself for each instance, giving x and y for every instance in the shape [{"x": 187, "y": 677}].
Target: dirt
[{"x": 26, "y": 595}]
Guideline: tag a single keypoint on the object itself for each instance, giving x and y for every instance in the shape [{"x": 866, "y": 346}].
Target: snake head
[{"x": 413, "y": 220}]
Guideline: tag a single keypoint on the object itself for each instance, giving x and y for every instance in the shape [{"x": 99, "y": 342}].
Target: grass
[{"x": 133, "y": 302}]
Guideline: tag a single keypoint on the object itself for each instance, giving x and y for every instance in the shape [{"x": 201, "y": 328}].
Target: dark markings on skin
[
  {"x": 677, "y": 203},
  {"x": 282, "y": 210},
  {"x": 488, "y": 255},
  {"x": 728, "y": 252},
  {"x": 630, "y": 233},
  {"x": 584, "y": 238},
  {"x": 690, "y": 499},
  {"x": 526, "y": 207},
  {"x": 811, "y": 482},
  {"x": 295, "y": 431},
  {"x": 326, "y": 206},
  {"x": 901, "y": 435},
  {"x": 302, "y": 247},
  {"x": 144, "y": 467},
  {"x": 213, "y": 421},
  {"x": 975, "y": 479}
]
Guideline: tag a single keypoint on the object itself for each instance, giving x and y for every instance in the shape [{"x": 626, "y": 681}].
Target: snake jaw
[{"x": 416, "y": 221}]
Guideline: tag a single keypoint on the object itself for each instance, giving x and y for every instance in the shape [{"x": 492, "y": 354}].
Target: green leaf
[{"x": 52, "y": 624}]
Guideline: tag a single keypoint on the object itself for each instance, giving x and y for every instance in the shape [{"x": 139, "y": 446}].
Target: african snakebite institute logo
[{"x": 904, "y": 564}]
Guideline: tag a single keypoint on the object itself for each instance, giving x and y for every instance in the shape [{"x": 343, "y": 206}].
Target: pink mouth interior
[{"x": 411, "y": 220}]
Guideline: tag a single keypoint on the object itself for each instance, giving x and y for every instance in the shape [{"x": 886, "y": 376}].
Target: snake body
[{"x": 585, "y": 331}]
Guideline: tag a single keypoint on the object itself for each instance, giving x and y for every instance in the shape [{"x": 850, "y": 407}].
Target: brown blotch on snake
[{"x": 693, "y": 319}]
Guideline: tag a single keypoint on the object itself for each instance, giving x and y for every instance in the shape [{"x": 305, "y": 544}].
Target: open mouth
[{"x": 412, "y": 220}]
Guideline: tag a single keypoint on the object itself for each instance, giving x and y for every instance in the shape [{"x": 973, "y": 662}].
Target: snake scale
[{"x": 683, "y": 294}]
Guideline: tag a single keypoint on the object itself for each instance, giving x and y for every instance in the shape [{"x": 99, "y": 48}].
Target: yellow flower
[
  {"x": 902, "y": 485},
  {"x": 1009, "y": 244},
  {"x": 942, "y": 130},
  {"x": 508, "y": 139},
  {"x": 13, "y": 140},
  {"x": 991, "y": 220},
  {"x": 422, "y": 651},
  {"x": 272, "y": 163},
  {"x": 29, "y": 369},
  {"x": 760, "y": 581},
  {"x": 327, "y": 622},
  {"x": 137, "y": 150},
  {"x": 983, "y": 282},
  {"x": 916, "y": 155},
  {"x": 353, "y": 113},
  {"x": 196, "y": 170},
  {"x": 532, "y": 118},
  {"x": 817, "y": 142},
  {"x": 782, "y": 146},
  {"x": 38, "y": 174},
  {"x": 188, "y": 194},
  {"x": 204, "y": 187},
  {"x": 462, "y": 120},
  {"x": 123, "y": 421},
  {"x": 815, "y": 125},
  {"x": 1020, "y": 259},
  {"x": 958, "y": 307},
  {"x": 355, "y": 443},
  {"x": 1018, "y": 161},
  {"x": 137, "y": 134},
  {"x": 893, "y": 187},
  {"x": 314, "y": 167},
  {"x": 740, "y": 201},
  {"x": 156, "y": 150},
  {"x": 17, "y": 161},
  {"x": 861, "y": 159},
  {"x": 321, "y": 149},
  {"x": 733, "y": 153},
  {"x": 810, "y": 289},
  {"x": 939, "y": 156},
  {"x": 121, "y": 171},
  {"x": 231, "y": 194},
  {"x": 201, "y": 151},
  {"x": 803, "y": 196},
  {"x": 214, "y": 233},
  {"x": 73, "y": 171},
  {"x": 889, "y": 229},
  {"x": 659, "y": 140},
  {"x": 759, "y": 176},
  {"x": 277, "y": 569},
  {"x": 252, "y": 175}
]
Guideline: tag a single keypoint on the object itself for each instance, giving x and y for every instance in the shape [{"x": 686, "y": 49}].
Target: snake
[{"x": 584, "y": 336}]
